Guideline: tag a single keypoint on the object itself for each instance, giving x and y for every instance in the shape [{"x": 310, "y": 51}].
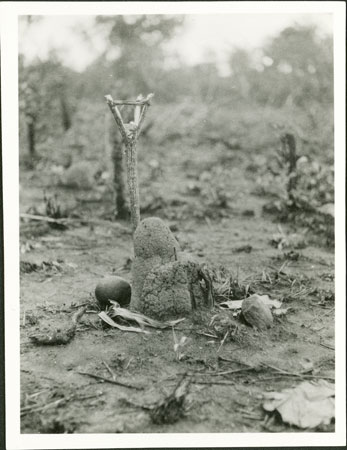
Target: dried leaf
[
  {"x": 141, "y": 319},
  {"x": 232, "y": 304},
  {"x": 280, "y": 311},
  {"x": 308, "y": 405},
  {"x": 103, "y": 316},
  {"x": 237, "y": 304}
]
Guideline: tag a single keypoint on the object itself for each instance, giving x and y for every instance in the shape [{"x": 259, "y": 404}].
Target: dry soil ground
[{"x": 57, "y": 399}]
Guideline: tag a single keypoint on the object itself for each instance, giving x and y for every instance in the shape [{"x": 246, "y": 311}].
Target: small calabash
[{"x": 113, "y": 288}]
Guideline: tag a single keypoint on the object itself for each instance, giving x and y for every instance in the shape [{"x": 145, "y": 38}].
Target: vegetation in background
[{"x": 283, "y": 88}]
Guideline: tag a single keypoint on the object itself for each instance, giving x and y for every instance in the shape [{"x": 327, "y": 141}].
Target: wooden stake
[{"x": 130, "y": 133}]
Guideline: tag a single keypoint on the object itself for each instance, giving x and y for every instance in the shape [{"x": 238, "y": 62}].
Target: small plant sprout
[
  {"x": 178, "y": 345},
  {"x": 130, "y": 134}
]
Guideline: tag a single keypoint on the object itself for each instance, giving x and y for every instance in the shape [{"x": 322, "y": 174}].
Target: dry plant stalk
[
  {"x": 171, "y": 409},
  {"x": 130, "y": 133},
  {"x": 288, "y": 152}
]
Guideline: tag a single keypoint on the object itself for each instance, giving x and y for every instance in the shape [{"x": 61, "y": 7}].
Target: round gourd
[{"x": 113, "y": 288}]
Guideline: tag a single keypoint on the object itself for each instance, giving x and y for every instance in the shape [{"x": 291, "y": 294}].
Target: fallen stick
[
  {"x": 137, "y": 405},
  {"x": 113, "y": 375},
  {"x": 327, "y": 346},
  {"x": 304, "y": 374},
  {"x": 280, "y": 375},
  {"x": 35, "y": 408},
  {"x": 215, "y": 382},
  {"x": 42, "y": 218},
  {"x": 107, "y": 380},
  {"x": 251, "y": 416},
  {"x": 223, "y": 340},
  {"x": 228, "y": 372},
  {"x": 30, "y": 409},
  {"x": 67, "y": 221},
  {"x": 235, "y": 361},
  {"x": 206, "y": 334}
]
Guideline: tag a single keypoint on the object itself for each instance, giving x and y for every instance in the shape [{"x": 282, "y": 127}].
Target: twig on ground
[
  {"x": 223, "y": 340},
  {"x": 206, "y": 334},
  {"x": 107, "y": 380},
  {"x": 113, "y": 375},
  {"x": 126, "y": 401},
  {"x": 251, "y": 416},
  {"x": 30, "y": 409},
  {"x": 128, "y": 363},
  {"x": 328, "y": 312},
  {"x": 42, "y": 218},
  {"x": 228, "y": 372},
  {"x": 280, "y": 375},
  {"x": 303, "y": 374},
  {"x": 220, "y": 382},
  {"x": 223, "y": 358},
  {"x": 66, "y": 221},
  {"x": 35, "y": 408},
  {"x": 277, "y": 369},
  {"x": 327, "y": 346},
  {"x": 35, "y": 394}
]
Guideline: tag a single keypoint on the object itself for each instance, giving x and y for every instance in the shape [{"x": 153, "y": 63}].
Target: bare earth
[{"x": 57, "y": 399}]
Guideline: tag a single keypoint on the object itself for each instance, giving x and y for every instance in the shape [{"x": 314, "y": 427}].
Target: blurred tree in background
[
  {"x": 294, "y": 68},
  {"x": 291, "y": 74},
  {"x": 282, "y": 88},
  {"x": 135, "y": 56},
  {"x": 47, "y": 99}
]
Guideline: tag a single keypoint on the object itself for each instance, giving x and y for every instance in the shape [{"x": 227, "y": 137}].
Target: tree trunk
[
  {"x": 31, "y": 126},
  {"x": 289, "y": 152},
  {"x": 65, "y": 113}
]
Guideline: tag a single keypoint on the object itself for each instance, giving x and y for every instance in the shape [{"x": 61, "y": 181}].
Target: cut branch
[
  {"x": 131, "y": 153},
  {"x": 130, "y": 133},
  {"x": 117, "y": 117},
  {"x": 144, "y": 101}
]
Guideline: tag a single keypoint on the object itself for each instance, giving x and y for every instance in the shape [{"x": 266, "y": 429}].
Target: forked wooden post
[{"x": 130, "y": 134}]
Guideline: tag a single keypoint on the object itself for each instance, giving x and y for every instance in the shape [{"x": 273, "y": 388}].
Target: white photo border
[{"x": 9, "y": 12}]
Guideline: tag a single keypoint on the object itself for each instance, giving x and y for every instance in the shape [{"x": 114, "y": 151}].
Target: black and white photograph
[{"x": 174, "y": 223}]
